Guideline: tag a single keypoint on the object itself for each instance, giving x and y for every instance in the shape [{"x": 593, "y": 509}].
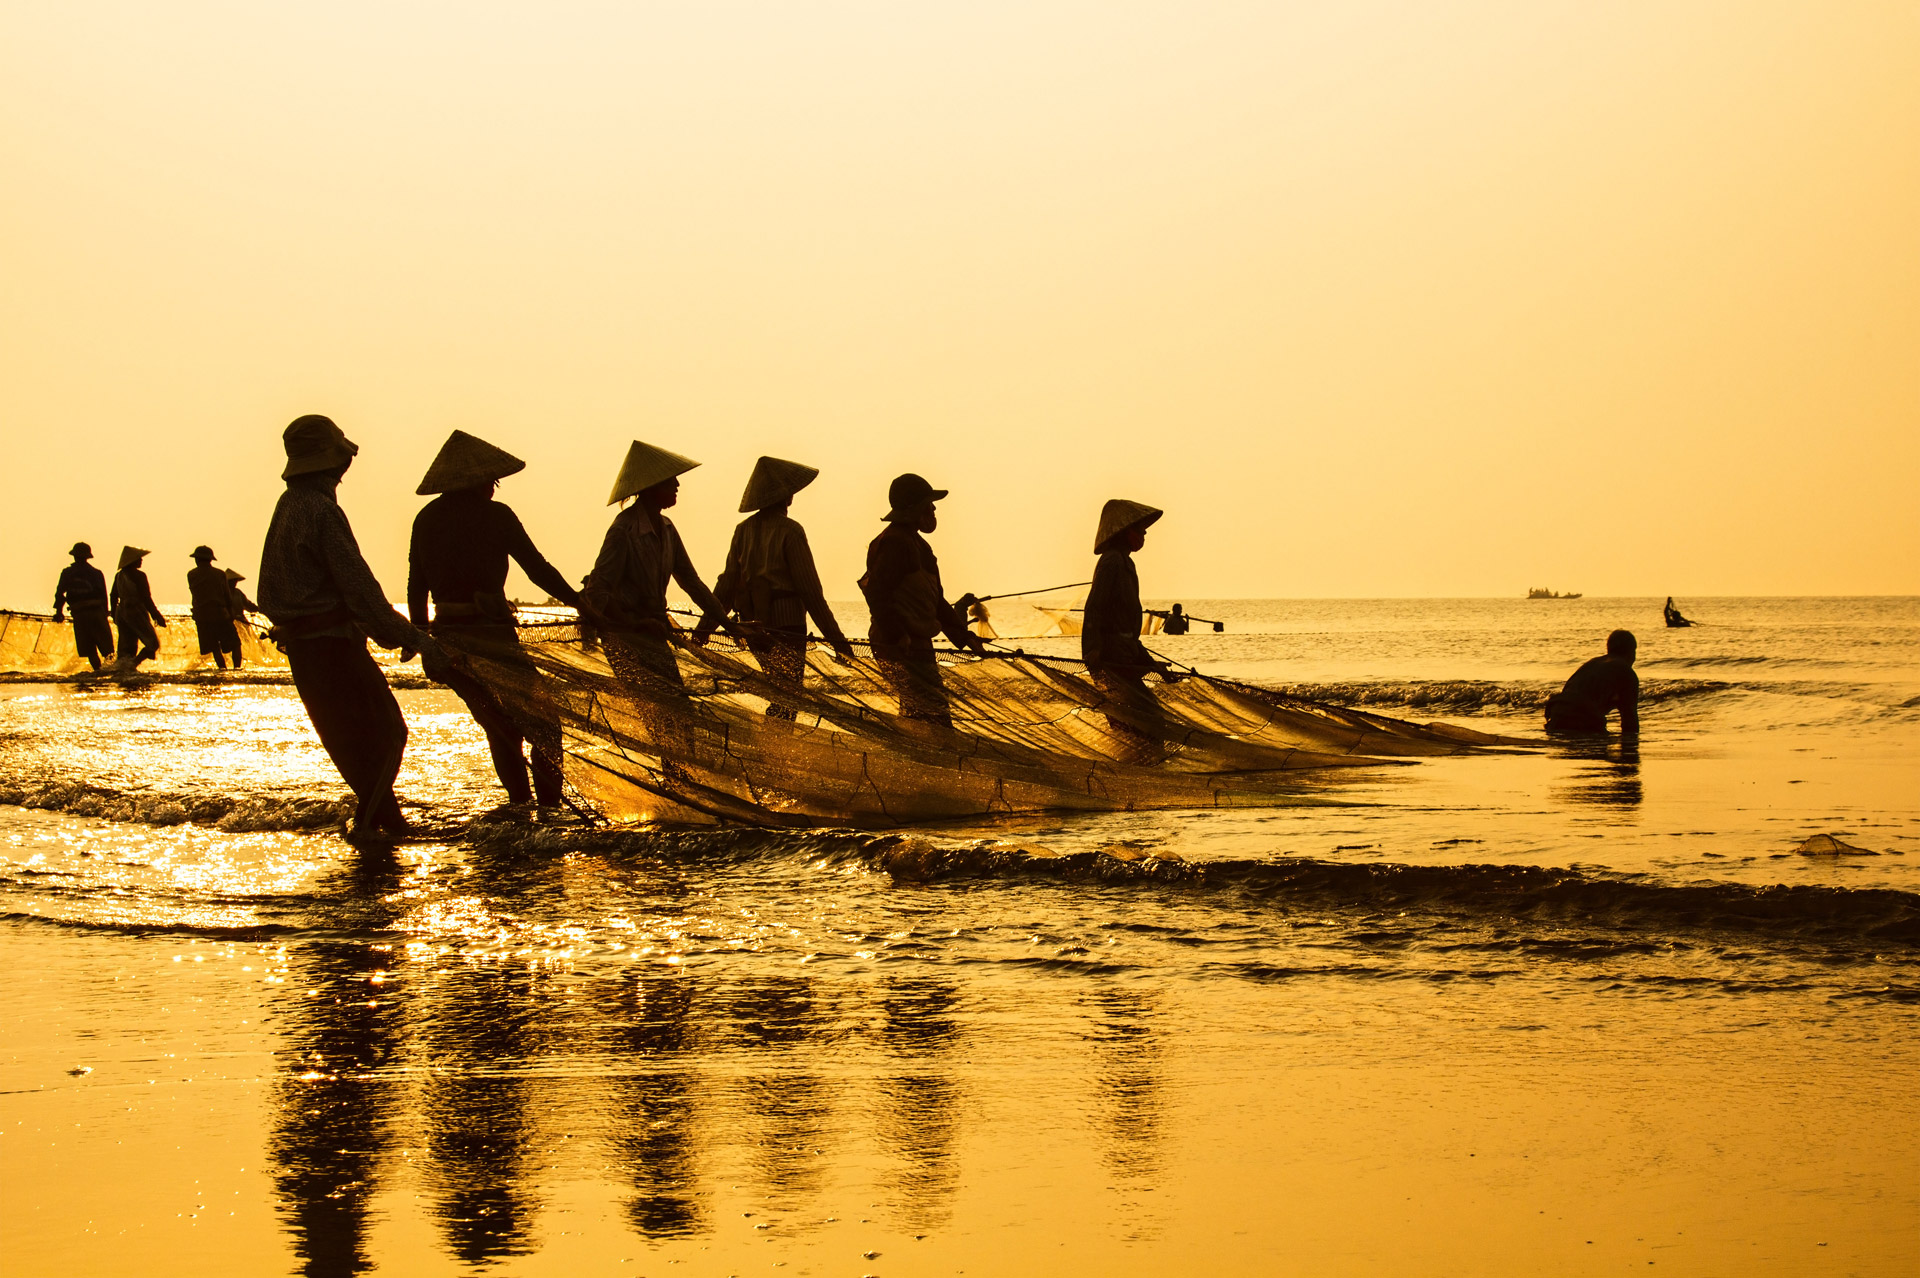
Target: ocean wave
[
  {"x": 1459, "y": 695},
  {"x": 236, "y": 816}
]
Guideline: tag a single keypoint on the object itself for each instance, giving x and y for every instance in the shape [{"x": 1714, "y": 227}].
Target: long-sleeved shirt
[
  {"x": 241, "y": 605},
  {"x": 458, "y": 558},
  {"x": 1110, "y": 631},
  {"x": 641, "y": 554},
  {"x": 212, "y": 596},
  {"x": 770, "y": 577},
  {"x": 311, "y": 565},
  {"x": 81, "y": 586},
  {"x": 133, "y": 598},
  {"x": 907, "y": 603}
]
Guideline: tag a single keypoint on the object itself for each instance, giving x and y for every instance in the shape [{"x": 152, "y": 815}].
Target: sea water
[{"x": 1596, "y": 1005}]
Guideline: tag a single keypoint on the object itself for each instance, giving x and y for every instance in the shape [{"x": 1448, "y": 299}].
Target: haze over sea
[{"x": 1562, "y": 1011}]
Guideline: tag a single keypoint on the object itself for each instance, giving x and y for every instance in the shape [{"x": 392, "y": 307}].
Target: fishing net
[
  {"x": 1029, "y": 735},
  {"x": 33, "y": 643}
]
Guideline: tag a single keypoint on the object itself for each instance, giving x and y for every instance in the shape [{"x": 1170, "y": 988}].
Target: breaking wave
[
  {"x": 236, "y": 816},
  {"x": 1471, "y": 694}
]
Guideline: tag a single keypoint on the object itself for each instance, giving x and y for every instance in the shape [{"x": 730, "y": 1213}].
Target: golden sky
[{"x": 1374, "y": 299}]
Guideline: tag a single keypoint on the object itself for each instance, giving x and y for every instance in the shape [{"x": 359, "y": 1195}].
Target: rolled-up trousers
[{"x": 508, "y": 731}]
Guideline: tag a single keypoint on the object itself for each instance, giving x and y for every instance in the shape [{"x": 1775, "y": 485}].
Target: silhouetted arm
[
  {"x": 418, "y": 592},
  {"x": 806, "y": 579},
  {"x": 540, "y": 572}
]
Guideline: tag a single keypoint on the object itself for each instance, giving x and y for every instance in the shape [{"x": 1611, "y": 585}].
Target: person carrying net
[
  {"x": 770, "y": 582},
  {"x": 1110, "y": 632},
  {"x": 908, "y": 604},
  {"x": 134, "y": 613},
  {"x": 83, "y": 588},
  {"x": 213, "y": 615}
]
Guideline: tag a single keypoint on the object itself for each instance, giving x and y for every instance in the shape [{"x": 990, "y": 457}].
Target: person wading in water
[
  {"x": 1601, "y": 685},
  {"x": 324, "y": 602},
  {"x": 1110, "y": 632},
  {"x": 909, "y": 606},
  {"x": 213, "y": 614},
  {"x": 462, "y": 540},
  {"x": 134, "y": 612},
  {"x": 83, "y": 588},
  {"x": 770, "y": 581}
]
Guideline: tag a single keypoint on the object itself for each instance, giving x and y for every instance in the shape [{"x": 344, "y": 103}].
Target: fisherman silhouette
[
  {"x": 907, "y": 604},
  {"x": 324, "y": 603},
  {"x": 213, "y": 615},
  {"x": 237, "y": 598},
  {"x": 1176, "y": 621},
  {"x": 1110, "y": 631},
  {"x": 1672, "y": 616},
  {"x": 770, "y": 582},
  {"x": 1601, "y": 685},
  {"x": 462, "y": 540},
  {"x": 134, "y": 612},
  {"x": 83, "y": 589}
]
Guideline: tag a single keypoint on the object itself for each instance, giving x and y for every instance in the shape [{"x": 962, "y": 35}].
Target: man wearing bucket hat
[
  {"x": 642, "y": 552},
  {"x": 457, "y": 560},
  {"x": 908, "y": 605},
  {"x": 83, "y": 588},
  {"x": 213, "y": 609},
  {"x": 134, "y": 612},
  {"x": 324, "y": 602},
  {"x": 1110, "y": 632},
  {"x": 770, "y": 582}
]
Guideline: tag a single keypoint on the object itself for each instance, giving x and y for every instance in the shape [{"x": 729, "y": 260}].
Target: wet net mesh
[
  {"x": 32, "y": 643},
  {"x": 1029, "y": 735}
]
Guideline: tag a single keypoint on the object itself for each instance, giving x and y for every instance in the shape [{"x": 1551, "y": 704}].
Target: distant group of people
[
  {"x": 219, "y": 608},
  {"x": 324, "y": 603}
]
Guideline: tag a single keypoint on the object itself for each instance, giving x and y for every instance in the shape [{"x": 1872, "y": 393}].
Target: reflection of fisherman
[
  {"x": 642, "y": 552},
  {"x": 1110, "y": 632},
  {"x": 461, "y": 543},
  {"x": 324, "y": 603},
  {"x": 213, "y": 614},
  {"x": 83, "y": 588},
  {"x": 1601, "y": 685},
  {"x": 134, "y": 612},
  {"x": 770, "y": 581},
  {"x": 908, "y": 605},
  {"x": 1673, "y": 618}
]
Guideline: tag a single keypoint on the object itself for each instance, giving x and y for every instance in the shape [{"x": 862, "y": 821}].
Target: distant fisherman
[
  {"x": 641, "y": 554},
  {"x": 241, "y": 605},
  {"x": 770, "y": 581},
  {"x": 1176, "y": 621},
  {"x": 1601, "y": 685},
  {"x": 134, "y": 612},
  {"x": 1672, "y": 616},
  {"x": 1110, "y": 632},
  {"x": 213, "y": 614},
  {"x": 324, "y": 602},
  {"x": 458, "y": 558},
  {"x": 83, "y": 588},
  {"x": 909, "y": 606}
]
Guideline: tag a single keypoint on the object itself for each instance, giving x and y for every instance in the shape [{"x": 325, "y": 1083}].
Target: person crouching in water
[
  {"x": 770, "y": 581},
  {"x": 462, "y": 540},
  {"x": 83, "y": 588},
  {"x": 641, "y": 554},
  {"x": 1601, "y": 685},
  {"x": 908, "y": 606},
  {"x": 134, "y": 612},
  {"x": 213, "y": 615},
  {"x": 1110, "y": 629},
  {"x": 324, "y": 604}
]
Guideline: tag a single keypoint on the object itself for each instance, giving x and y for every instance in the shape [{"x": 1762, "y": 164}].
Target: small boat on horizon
[{"x": 1537, "y": 592}]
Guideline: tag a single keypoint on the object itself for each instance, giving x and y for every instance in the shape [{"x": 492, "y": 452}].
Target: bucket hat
[
  {"x": 314, "y": 443},
  {"x": 909, "y": 493},
  {"x": 81, "y": 549},
  {"x": 201, "y": 552},
  {"x": 1119, "y": 515},
  {"x": 774, "y": 480},
  {"x": 646, "y": 466},
  {"x": 131, "y": 555},
  {"x": 467, "y": 461}
]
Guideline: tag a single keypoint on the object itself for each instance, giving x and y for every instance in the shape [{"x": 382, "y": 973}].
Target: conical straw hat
[
  {"x": 1119, "y": 515},
  {"x": 131, "y": 555},
  {"x": 466, "y": 461},
  {"x": 235, "y": 576},
  {"x": 774, "y": 480},
  {"x": 646, "y": 466}
]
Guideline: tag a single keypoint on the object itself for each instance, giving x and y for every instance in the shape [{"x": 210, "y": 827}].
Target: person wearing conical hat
[
  {"x": 770, "y": 582},
  {"x": 641, "y": 554},
  {"x": 1110, "y": 626},
  {"x": 908, "y": 605},
  {"x": 134, "y": 613},
  {"x": 324, "y": 603},
  {"x": 213, "y": 609},
  {"x": 83, "y": 588},
  {"x": 457, "y": 562},
  {"x": 241, "y": 605}
]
